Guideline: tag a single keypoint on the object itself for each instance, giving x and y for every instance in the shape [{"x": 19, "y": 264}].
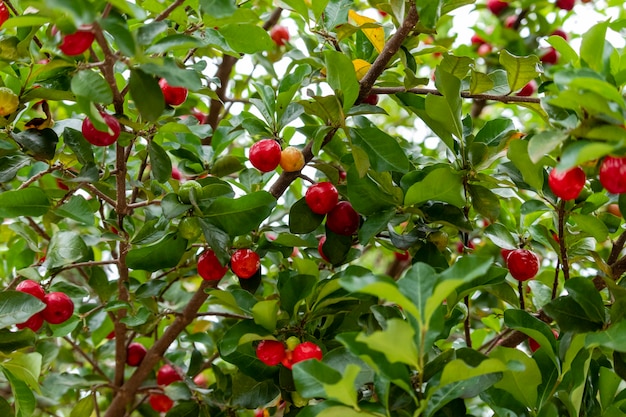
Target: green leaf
[
  {"x": 396, "y": 342},
  {"x": 160, "y": 162},
  {"x": 494, "y": 131},
  {"x": 66, "y": 248},
  {"x": 174, "y": 74},
  {"x": 92, "y": 86},
  {"x": 583, "y": 151},
  {"x": 523, "y": 376},
  {"x": 78, "y": 209},
  {"x": 485, "y": 201},
  {"x": 12, "y": 341},
  {"x": 591, "y": 225},
  {"x": 147, "y": 95},
  {"x": 545, "y": 142},
  {"x": 592, "y": 46},
  {"x": 162, "y": 255},
  {"x": 241, "y": 215},
  {"x": 373, "y": 192},
  {"x": 316, "y": 379},
  {"x": 236, "y": 347},
  {"x": 24, "y": 398},
  {"x": 531, "y": 172},
  {"x": 218, "y": 8},
  {"x": 520, "y": 69},
  {"x": 446, "y": 110},
  {"x": 17, "y": 307},
  {"x": 265, "y": 313},
  {"x": 79, "y": 145},
  {"x": 246, "y": 38},
  {"x": 25, "y": 367},
  {"x": 533, "y": 327},
  {"x": 40, "y": 144},
  {"x": 441, "y": 184},
  {"x": 584, "y": 292},
  {"x": 500, "y": 236},
  {"x": 177, "y": 42},
  {"x": 457, "y": 66},
  {"x": 612, "y": 338},
  {"x": 302, "y": 219},
  {"x": 581, "y": 310},
  {"x": 417, "y": 105},
  {"x": 293, "y": 290},
  {"x": 31, "y": 201},
  {"x": 383, "y": 150},
  {"x": 458, "y": 370},
  {"x": 341, "y": 77},
  {"x": 10, "y": 165},
  {"x": 480, "y": 82}
]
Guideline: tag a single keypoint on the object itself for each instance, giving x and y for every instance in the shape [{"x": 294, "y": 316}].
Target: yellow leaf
[
  {"x": 361, "y": 67},
  {"x": 376, "y": 35}
]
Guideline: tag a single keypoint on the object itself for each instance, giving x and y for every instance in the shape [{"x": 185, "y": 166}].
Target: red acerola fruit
[
  {"x": 321, "y": 197},
  {"x": 565, "y": 4},
  {"x": 534, "y": 345},
  {"x": 528, "y": 90},
  {"x": 320, "y": 249},
  {"x": 78, "y": 42},
  {"x": 550, "y": 57},
  {"x": 343, "y": 219},
  {"x": 59, "y": 307},
  {"x": 484, "y": 49},
  {"x": 209, "y": 267},
  {"x": 270, "y": 352},
  {"x": 477, "y": 40},
  {"x": 567, "y": 184},
  {"x": 167, "y": 374},
  {"x": 265, "y": 155},
  {"x": 402, "y": 256},
  {"x": 505, "y": 253},
  {"x": 135, "y": 354},
  {"x": 98, "y": 137},
  {"x": 176, "y": 174},
  {"x": 31, "y": 287},
  {"x": 305, "y": 351},
  {"x": 245, "y": 263},
  {"x": 34, "y": 322},
  {"x": 280, "y": 35},
  {"x": 497, "y": 6},
  {"x": 174, "y": 96},
  {"x": 4, "y": 13},
  {"x": 523, "y": 264},
  {"x": 613, "y": 174},
  {"x": 561, "y": 33},
  {"x": 161, "y": 403},
  {"x": 371, "y": 99}
]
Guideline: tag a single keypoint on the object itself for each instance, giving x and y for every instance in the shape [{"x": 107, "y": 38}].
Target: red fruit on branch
[
  {"x": 550, "y": 57},
  {"x": 135, "y": 354},
  {"x": 321, "y": 197},
  {"x": 561, "y": 33},
  {"x": 343, "y": 219},
  {"x": 167, "y": 374},
  {"x": 265, "y": 155},
  {"x": 565, "y": 4},
  {"x": 528, "y": 90},
  {"x": 523, "y": 264},
  {"x": 98, "y": 137},
  {"x": 280, "y": 35},
  {"x": 497, "y": 6},
  {"x": 59, "y": 307},
  {"x": 174, "y": 96},
  {"x": 245, "y": 263},
  {"x": 613, "y": 174},
  {"x": 291, "y": 159},
  {"x": 34, "y": 322},
  {"x": 567, "y": 184},
  {"x": 320, "y": 249},
  {"x": 270, "y": 352},
  {"x": 209, "y": 267},
  {"x": 371, "y": 99},
  {"x": 31, "y": 287},
  {"x": 534, "y": 345},
  {"x": 505, "y": 254},
  {"x": 160, "y": 403},
  {"x": 4, "y": 13},
  {"x": 305, "y": 351},
  {"x": 78, "y": 42}
]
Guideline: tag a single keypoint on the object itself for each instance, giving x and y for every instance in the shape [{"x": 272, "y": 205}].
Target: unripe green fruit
[
  {"x": 439, "y": 239},
  {"x": 189, "y": 228},
  {"x": 184, "y": 192},
  {"x": 8, "y": 101}
]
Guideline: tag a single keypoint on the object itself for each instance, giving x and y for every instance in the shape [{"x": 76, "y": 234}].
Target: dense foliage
[{"x": 312, "y": 208}]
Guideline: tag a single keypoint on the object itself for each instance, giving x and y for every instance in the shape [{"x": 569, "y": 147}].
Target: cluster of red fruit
[
  {"x": 274, "y": 352},
  {"x": 166, "y": 375},
  {"x": 244, "y": 263},
  {"x": 59, "y": 307},
  {"x": 266, "y": 154},
  {"x": 4, "y": 13}
]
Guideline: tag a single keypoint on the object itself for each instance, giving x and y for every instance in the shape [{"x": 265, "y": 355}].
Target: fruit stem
[
  {"x": 520, "y": 287},
  {"x": 467, "y": 325},
  {"x": 555, "y": 284},
  {"x": 564, "y": 262}
]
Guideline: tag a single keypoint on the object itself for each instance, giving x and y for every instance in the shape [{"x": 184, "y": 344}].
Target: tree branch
[{"x": 464, "y": 94}]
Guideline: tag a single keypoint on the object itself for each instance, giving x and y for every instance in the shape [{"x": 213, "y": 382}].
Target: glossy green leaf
[
  {"x": 373, "y": 192},
  {"x": 500, "y": 236},
  {"x": 218, "y": 8},
  {"x": 162, "y": 255},
  {"x": 612, "y": 338},
  {"x": 383, "y": 150},
  {"x": 417, "y": 105},
  {"x": 75, "y": 140},
  {"x": 12, "y": 341},
  {"x": 520, "y": 69},
  {"x": 92, "y": 86},
  {"x": 160, "y": 162},
  {"x": 458, "y": 370},
  {"x": 523, "y": 376},
  {"x": 494, "y": 131},
  {"x": 591, "y": 225},
  {"x": 592, "y": 46},
  {"x": 531, "y": 172},
  {"x": 316, "y": 379},
  {"x": 533, "y": 327},
  {"x": 446, "y": 109},
  {"x": 10, "y": 165},
  {"x": 65, "y": 248},
  {"x": 78, "y": 209},
  {"x": 396, "y": 342},
  {"x": 23, "y": 396},
  {"x": 265, "y": 314},
  {"x": 438, "y": 398},
  {"x": 40, "y": 144},
  {"x": 240, "y": 216},
  {"x": 17, "y": 307},
  {"x": 457, "y": 66},
  {"x": 584, "y": 292},
  {"x": 341, "y": 77},
  {"x": 480, "y": 83},
  {"x": 147, "y": 95},
  {"x": 246, "y": 38},
  {"x": 25, "y": 367},
  {"x": 485, "y": 201},
  {"x": 441, "y": 184},
  {"x": 543, "y": 143}
]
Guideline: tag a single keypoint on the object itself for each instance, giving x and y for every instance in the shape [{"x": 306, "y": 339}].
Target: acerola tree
[{"x": 466, "y": 179}]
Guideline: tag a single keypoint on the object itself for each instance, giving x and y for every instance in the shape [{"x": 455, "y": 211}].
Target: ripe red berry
[
  {"x": 161, "y": 403},
  {"x": 4, "y": 13},
  {"x": 343, "y": 219},
  {"x": 567, "y": 184},
  {"x": 78, "y": 42},
  {"x": 402, "y": 256},
  {"x": 59, "y": 307},
  {"x": 550, "y": 57},
  {"x": 209, "y": 267},
  {"x": 321, "y": 197},
  {"x": 34, "y": 322},
  {"x": 523, "y": 264},
  {"x": 98, "y": 137},
  {"x": 174, "y": 96},
  {"x": 505, "y": 254},
  {"x": 534, "y": 345},
  {"x": 280, "y": 35},
  {"x": 31, "y": 287},
  {"x": 167, "y": 374},
  {"x": 561, "y": 33},
  {"x": 320, "y": 249},
  {"x": 613, "y": 174},
  {"x": 528, "y": 90},
  {"x": 176, "y": 174},
  {"x": 135, "y": 354},
  {"x": 270, "y": 352},
  {"x": 477, "y": 40},
  {"x": 509, "y": 22},
  {"x": 497, "y": 6},
  {"x": 265, "y": 155},
  {"x": 305, "y": 351},
  {"x": 245, "y": 263},
  {"x": 371, "y": 99},
  {"x": 484, "y": 49},
  {"x": 565, "y": 4}
]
